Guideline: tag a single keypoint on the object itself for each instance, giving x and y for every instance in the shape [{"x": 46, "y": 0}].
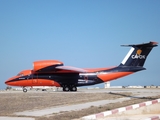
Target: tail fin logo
[
  {"x": 138, "y": 55},
  {"x": 139, "y": 52}
]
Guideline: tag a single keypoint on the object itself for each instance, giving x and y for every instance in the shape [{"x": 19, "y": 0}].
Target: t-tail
[{"x": 137, "y": 55}]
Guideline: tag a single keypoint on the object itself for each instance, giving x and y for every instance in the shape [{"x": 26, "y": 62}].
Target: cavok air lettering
[{"x": 138, "y": 55}]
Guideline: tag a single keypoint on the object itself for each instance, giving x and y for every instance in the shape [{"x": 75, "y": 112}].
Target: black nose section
[{"x": 6, "y": 82}]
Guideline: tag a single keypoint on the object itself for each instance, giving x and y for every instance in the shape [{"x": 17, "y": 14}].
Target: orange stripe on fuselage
[
  {"x": 111, "y": 76},
  {"x": 34, "y": 82}
]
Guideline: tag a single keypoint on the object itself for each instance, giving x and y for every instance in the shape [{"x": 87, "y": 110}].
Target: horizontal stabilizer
[{"x": 150, "y": 44}]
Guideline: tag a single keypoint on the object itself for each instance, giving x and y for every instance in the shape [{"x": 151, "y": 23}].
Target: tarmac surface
[{"x": 137, "y": 93}]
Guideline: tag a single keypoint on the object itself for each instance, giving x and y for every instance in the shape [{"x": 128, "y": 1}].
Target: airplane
[{"x": 54, "y": 73}]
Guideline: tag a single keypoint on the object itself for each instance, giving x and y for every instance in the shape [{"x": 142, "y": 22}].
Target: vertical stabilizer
[{"x": 137, "y": 54}]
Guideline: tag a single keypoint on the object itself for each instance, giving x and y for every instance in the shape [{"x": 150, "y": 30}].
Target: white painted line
[
  {"x": 135, "y": 106},
  {"x": 148, "y": 103},
  {"x": 122, "y": 109},
  {"x": 107, "y": 113},
  {"x": 158, "y": 100}
]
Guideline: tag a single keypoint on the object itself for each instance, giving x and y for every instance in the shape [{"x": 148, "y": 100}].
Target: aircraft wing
[
  {"x": 71, "y": 69},
  {"x": 52, "y": 66}
]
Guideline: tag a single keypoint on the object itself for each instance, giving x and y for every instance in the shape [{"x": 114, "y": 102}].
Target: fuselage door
[{"x": 35, "y": 79}]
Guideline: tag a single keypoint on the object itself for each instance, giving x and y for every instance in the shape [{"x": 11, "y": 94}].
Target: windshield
[{"x": 20, "y": 74}]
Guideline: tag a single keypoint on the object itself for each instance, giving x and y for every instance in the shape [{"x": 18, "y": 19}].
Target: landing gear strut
[{"x": 69, "y": 88}]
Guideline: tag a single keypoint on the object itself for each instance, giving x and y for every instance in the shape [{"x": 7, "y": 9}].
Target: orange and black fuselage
[{"x": 59, "y": 79}]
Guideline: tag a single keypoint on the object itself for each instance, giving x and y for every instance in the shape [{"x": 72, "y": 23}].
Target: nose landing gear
[{"x": 24, "y": 90}]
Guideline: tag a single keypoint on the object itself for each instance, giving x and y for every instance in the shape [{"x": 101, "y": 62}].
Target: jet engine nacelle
[{"x": 46, "y": 65}]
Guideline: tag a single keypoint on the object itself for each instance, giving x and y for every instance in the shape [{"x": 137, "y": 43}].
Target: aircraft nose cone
[
  {"x": 11, "y": 81},
  {"x": 7, "y": 82}
]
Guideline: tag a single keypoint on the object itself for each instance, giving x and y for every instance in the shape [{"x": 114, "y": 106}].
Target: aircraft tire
[
  {"x": 24, "y": 90},
  {"x": 65, "y": 88},
  {"x": 73, "y": 88}
]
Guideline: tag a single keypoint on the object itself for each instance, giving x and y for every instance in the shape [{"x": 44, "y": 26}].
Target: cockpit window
[{"x": 20, "y": 74}]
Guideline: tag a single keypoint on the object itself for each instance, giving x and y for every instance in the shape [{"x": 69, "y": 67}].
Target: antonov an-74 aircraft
[{"x": 54, "y": 73}]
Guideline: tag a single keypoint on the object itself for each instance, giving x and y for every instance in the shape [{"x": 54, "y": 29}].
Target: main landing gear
[{"x": 69, "y": 88}]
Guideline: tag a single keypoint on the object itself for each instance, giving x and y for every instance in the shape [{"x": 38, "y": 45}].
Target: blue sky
[{"x": 81, "y": 33}]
